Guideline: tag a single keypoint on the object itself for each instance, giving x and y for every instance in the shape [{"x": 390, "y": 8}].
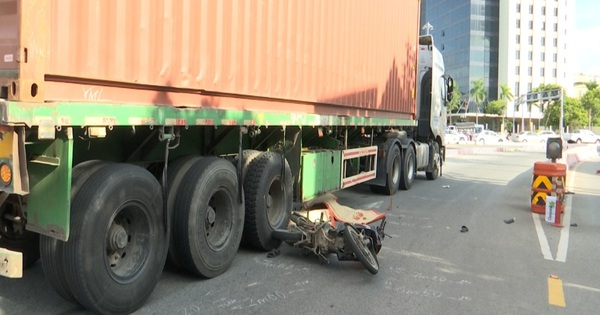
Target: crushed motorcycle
[{"x": 325, "y": 227}]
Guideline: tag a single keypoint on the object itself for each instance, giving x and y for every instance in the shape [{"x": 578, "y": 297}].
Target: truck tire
[
  {"x": 52, "y": 249},
  {"x": 393, "y": 173},
  {"x": 268, "y": 190},
  {"x": 117, "y": 248},
  {"x": 176, "y": 172},
  {"x": 409, "y": 169},
  {"x": 247, "y": 157},
  {"x": 209, "y": 218},
  {"x": 437, "y": 163}
]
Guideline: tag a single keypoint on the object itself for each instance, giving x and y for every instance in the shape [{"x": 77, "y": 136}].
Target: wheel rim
[
  {"x": 396, "y": 171},
  {"x": 362, "y": 241},
  {"x": 218, "y": 220},
  {"x": 275, "y": 201},
  {"x": 126, "y": 240},
  {"x": 411, "y": 168}
]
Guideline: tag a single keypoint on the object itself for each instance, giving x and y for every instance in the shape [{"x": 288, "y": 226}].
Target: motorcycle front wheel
[{"x": 358, "y": 243}]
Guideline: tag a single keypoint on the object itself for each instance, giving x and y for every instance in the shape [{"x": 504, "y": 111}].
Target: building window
[
  {"x": 517, "y": 54},
  {"x": 555, "y": 57},
  {"x": 554, "y": 72},
  {"x": 542, "y": 72},
  {"x": 543, "y": 57},
  {"x": 518, "y": 38},
  {"x": 518, "y": 23},
  {"x": 543, "y": 25},
  {"x": 530, "y": 40},
  {"x": 529, "y": 87},
  {"x": 518, "y": 7},
  {"x": 555, "y": 11},
  {"x": 530, "y": 55},
  {"x": 531, "y": 9},
  {"x": 530, "y": 71},
  {"x": 556, "y": 27},
  {"x": 517, "y": 69},
  {"x": 544, "y": 10},
  {"x": 530, "y": 25},
  {"x": 543, "y": 41},
  {"x": 555, "y": 42}
]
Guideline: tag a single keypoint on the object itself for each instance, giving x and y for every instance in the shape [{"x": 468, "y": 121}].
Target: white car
[
  {"x": 582, "y": 136},
  {"x": 544, "y": 135},
  {"x": 453, "y": 137},
  {"x": 487, "y": 136},
  {"x": 525, "y": 136}
]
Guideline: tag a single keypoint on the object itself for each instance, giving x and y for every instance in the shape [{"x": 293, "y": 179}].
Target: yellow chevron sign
[
  {"x": 541, "y": 179},
  {"x": 539, "y": 198}
]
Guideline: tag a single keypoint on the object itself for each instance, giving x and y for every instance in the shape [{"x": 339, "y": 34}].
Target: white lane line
[
  {"x": 563, "y": 242},
  {"x": 542, "y": 237},
  {"x": 583, "y": 287}
]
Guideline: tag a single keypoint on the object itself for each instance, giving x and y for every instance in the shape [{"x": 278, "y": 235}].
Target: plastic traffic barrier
[{"x": 548, "y": 180}]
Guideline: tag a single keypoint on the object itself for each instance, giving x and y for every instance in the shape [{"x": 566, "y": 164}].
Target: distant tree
[
  {"x": 591, "y": 85},
  {"x": 507, "y": 96},
  {"x": 479, "y": 95},
  {"x": 496, "y": 107},
  {"x": 574, "y": 114},
  {"x": 505, "y": 93},
  {"x": 590, "y": 101}
]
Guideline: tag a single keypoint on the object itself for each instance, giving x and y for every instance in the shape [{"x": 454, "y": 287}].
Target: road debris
[
  {"x": 274, "y": 253},
  {"x": 509, "y": 221},
  {"x": 446, "y": 186},
  {"x": 464, "y": 229},
  {"x": 574, "y": 224}
]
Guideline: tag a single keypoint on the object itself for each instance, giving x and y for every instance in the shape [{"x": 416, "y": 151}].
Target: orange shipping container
[{"x": 346, "y": 57}]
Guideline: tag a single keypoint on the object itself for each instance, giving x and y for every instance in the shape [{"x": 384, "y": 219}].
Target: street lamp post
[{"x": 562, "y": 113}]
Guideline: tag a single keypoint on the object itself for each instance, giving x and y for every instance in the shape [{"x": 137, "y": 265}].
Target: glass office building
[{"x": 466, "y": 33}]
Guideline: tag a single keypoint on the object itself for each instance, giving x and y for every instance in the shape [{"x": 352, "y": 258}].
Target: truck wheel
[
  {"x": 268, "y": 189},
  {"x": 176, "y": 172},
  {"x": 52, "y": 249},
  {"x": 209, "y": 218},
  {"x": 437, "y": 163},
  {"x": 247, "y": 157},
  {"x": 117, "y": 248},
  {"x": 408, "y": 169},
  {"x": 393, "y": 172}
]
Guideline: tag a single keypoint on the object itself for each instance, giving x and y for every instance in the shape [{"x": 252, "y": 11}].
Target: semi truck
[{"x": 135, "y": 133}]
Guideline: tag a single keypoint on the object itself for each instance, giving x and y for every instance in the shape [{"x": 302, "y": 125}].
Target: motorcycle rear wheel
[{"x": 356, "y": 241}]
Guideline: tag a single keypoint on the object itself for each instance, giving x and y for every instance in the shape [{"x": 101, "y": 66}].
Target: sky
[{"x": 587, "y": 37}]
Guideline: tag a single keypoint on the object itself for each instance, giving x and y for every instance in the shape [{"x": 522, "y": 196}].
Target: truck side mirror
[{"x": 449, "y": 88}]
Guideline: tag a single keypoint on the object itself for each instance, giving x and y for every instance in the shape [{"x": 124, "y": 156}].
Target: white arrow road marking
[{"x": 563, "y": 242}]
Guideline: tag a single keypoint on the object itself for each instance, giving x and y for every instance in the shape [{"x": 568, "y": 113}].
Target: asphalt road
[{"x": 427, "y": 266}]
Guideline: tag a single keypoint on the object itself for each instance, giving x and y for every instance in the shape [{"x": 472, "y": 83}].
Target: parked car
[
  {"x": 453, "y": 137},
  {"x": 545, "y": 134},
  {"x": 487, "y": 136},
  {"x": 525, "y": 136},
  {"x": 582, "y": 136}
]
